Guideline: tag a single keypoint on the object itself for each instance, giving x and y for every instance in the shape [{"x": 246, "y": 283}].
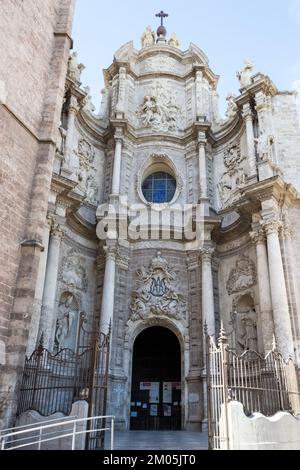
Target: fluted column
[
  {"x": 265, "y": 302},
  {"x": 72, "y": 112},
  {"x": 248, "y": 117},
  {"x": 48, "y": 308},
  {"x": 107, "y": 307},
  {"x": 208, "y": 307},
  {"x": 281, "y": 315},
  {"x": 202, "y": 166},
  {"x": 117, "y": 164}
]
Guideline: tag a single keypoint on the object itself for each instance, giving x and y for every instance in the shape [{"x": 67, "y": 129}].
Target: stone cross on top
[{"x": 162, "y": 15}]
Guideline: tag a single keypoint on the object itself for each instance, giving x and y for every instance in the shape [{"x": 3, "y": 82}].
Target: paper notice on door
[
  {"x": 154, "y": 393},
  {"x": 167, "y": 392},
  {"x": 167, "y": 410},
  {"x": 153, "y": 410}
]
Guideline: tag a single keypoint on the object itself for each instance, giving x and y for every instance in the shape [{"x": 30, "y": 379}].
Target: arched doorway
[{"x": 156, "y": 381}]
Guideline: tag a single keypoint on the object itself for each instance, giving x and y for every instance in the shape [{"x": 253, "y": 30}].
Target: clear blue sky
[{"x": 228, "y": 31}]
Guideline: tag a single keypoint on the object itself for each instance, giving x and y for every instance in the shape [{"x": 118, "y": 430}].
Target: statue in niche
[
  {"x": 265, "y": 144},
  {"x": 148, "y": 37},
  {"x": 74, "y": 69},
  {"x": 242, "y": 276},
  {"x": 231, "y": 106},
  {"x": 67, "y": 314},
  {"x": 246, "y": 331},
  {"x": 174, "y": 41},
  {"x": 150, "y": 111},
  {"x": 245, "y": 75}
]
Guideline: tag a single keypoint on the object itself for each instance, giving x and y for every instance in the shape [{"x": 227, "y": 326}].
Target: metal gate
[
  {"x": 53, "y": 382},
  {"x": 265, "y": 385}
]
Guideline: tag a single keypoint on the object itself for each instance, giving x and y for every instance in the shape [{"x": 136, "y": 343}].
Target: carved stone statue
[
  {"x": 61, "y": 144},
  {"x": 74, "y": 69},
  {"x": 65, "y": 320},
  {"x": 265, "y": 144},
  {"x": 157, "y": 294},
  {"x": 88, "y": 106},
  {"x": 148, "y": 37},
  {"x": 245, "y": 75},
  {"x": 174, "y": 41},
  {"x": 242, "y": 276},
  {"x": 247, "y": 332},
  {"x": 231, "y": 105},
  {"x": 104, "y": 108},
  {"x": 234, "y": 177}
]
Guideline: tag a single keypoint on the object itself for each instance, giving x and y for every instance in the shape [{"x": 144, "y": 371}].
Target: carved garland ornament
[{"x": 157, "y": 294}]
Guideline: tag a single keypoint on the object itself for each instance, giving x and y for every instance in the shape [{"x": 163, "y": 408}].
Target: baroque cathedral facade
[{"x": 155, "y": 219}]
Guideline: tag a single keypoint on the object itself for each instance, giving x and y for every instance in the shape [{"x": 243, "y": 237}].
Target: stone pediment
[{"x": 157, "y": 294}]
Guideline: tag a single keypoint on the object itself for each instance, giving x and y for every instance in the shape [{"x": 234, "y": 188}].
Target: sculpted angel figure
[
  {"x": 174, "y": 41},
  {"x": 74, "y": 69}
]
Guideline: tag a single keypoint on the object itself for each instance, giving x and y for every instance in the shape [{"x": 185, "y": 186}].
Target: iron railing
[
  {"x": 266, "y": 385},
  {"x": 32, "y": 437},
  {"x": 52, "y": 382}
]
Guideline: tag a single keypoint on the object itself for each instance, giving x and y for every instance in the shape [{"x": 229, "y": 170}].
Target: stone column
[
  {"x": 208, "y": 307},
  {"x": 117, "y": 164},
  {"x": 265, "y": 302},
  {"x": 107, "y": 308},
  {"x": 73, "y": 110},
  {"x": 203, "y": 192},
  {"x": 247, "y": 115},
  {"x": 37, "y": 305},
  {"x": 281, "y": 315},
  {"x": 48, "y": 308}
]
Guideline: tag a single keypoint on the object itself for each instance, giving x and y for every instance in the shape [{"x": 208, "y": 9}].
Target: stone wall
[
  {"x": 257, "y": 432},
  {"x": 35, "y": 40}
]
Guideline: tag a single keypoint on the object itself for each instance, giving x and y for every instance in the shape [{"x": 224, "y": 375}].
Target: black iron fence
[
  {"x": 52, "y": 382},
  {"x": 266, "y": 385}
]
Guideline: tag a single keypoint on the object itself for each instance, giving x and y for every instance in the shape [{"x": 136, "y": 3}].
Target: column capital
[
  {"x": 272, "y": 226},
  {"x": 206, "y": 254},
  {"x": 202, "y": 140},
  {"x": 247, "y": 111},
  {"x": 74, "y": 105},
  {"x": 286, "y": 231},
  {"x": 119, "y": 135},
  {"x": 258, "y": 236},
  {"x": 57, "y": 231},
  {"x": 110, "y": 252}
]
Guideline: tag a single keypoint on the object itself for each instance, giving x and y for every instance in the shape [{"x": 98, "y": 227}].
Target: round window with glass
[{"x": 159, "y": 188}]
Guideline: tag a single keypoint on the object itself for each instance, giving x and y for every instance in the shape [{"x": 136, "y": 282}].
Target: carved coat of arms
[{"x": 157, "y": 293}]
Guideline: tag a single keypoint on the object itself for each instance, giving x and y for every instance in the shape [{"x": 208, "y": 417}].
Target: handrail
[{"x": 4, "y": 435}]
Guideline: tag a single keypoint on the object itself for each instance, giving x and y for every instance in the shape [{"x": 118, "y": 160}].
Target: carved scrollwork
[{"x": 157, "y": 294}]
